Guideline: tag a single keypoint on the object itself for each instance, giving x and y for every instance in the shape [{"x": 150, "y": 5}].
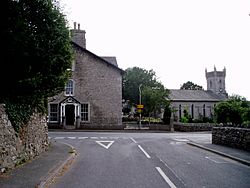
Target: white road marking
[
  {"x": 103, "y": 137},
  {"x": 147, "y": 155},
  {"x": 113, "y": 137},
  {"x": 215, "y": 161},
  {"x": 173, "y": 172},
  {"x": 58, "y": 138},
  {"x": 94, "y": 137},
  {"x": 71, "y": 137},
  {"x": 81, "y": 137},
  {"x": 103, "y": 145},
  {"x": 169, "y": 182},
  {"x": 181, "y": 139},
  {"x": 133, "y": 140}
]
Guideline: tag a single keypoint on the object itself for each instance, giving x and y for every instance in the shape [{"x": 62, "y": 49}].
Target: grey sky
[{"x": 178, "y": 39}]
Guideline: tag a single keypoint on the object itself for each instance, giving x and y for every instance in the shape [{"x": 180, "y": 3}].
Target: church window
[
  {"x": 192, "y": 111},
  {"x": 69, "y": 90},
  {"x": 204, "y": 110},
  {"x": 53, "y": 112},
  {"x": 180, "y": 111},
  {"x": 211, "y": 84},
  {"x": 85, "y": 112}
]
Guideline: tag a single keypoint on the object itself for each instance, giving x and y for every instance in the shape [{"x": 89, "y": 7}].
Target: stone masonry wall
[
  {"x": 16, "y": 148},
  {"x": 193, "y": 127},
  {"x": 232, "y": 137}
]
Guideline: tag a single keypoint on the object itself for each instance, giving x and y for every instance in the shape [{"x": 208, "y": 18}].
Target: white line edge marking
[
  {"x": 172, "y": 171},
  {"x": 71, "y": 137},
  {"x": 169, "y": 182},
  {"x": 147, "y": 155},
  {"x": 133, "y": 140},
  {"x": 218, "y": 162}
]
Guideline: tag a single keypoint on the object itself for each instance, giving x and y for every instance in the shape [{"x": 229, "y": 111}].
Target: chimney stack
[{"x": 78, "y": 36}]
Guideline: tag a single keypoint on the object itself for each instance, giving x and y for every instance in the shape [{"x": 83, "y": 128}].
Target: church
[
  {"x": 93, "y": 95},
  {"x": 200, "y": 103}
]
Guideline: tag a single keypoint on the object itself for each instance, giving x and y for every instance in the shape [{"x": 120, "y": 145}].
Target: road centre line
[
  {"x": 134, "y": 140},
  {"x": 169, "y": 182},
  {"x": 147, "y": 155}
]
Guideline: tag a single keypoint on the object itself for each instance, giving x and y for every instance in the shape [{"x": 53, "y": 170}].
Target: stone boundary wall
[
  {"x": 16, "y": 148},
  {"x": 193, "y": 127},
  {"x": 232, "y": 137}
]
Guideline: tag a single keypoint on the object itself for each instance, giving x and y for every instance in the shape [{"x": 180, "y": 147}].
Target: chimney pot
[{"x": 74, "y": 25}]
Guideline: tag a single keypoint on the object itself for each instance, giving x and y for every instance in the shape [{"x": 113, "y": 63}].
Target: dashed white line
[
  {"x": 103, "y": 137},
  {"x": 58, "y": 138},
  {"x": 81, "y": 137},
  {"x": 71, "y": 137},
  {"x": 147, "y": 155},
  {"x": 133, "y": 140},
  {"x": 169, "y": 182}
]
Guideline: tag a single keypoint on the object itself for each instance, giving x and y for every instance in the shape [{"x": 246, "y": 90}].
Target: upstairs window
[{"x": 69, "y": 90}]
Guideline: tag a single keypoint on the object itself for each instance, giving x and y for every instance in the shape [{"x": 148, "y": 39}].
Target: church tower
[{"x": 216, "y": 81}]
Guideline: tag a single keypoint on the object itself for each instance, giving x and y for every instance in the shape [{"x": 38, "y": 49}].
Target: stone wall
[
  {"x": 232, "y": 137},
  {"x": 193, "y": 127},
  {"x": 16, "y": 148}
]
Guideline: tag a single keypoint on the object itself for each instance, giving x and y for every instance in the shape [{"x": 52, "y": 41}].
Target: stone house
[
  {"x": 93, "y": 95},
  {"x": 200, "y": 103}
]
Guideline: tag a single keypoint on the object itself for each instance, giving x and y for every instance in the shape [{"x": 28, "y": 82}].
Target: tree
[
  {"x": 132, "y": 79},
  {"x": 154, "y": 100},
  {"x": 167, "y": 114},
  {"x": 191, "y": 86},
  {"x": 36, "y": 51},
  {"x": 235, "y": 110}
]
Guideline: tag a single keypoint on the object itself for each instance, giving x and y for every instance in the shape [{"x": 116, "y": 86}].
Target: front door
[{"x": 70, "y": 114}]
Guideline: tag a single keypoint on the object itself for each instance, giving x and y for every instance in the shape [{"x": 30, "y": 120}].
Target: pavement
[{"x": 43, "y": 170}]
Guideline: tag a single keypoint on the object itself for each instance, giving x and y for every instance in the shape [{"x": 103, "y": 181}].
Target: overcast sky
[{"x": 178, "y": 39}]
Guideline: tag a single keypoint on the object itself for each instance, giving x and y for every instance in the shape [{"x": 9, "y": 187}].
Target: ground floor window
[
  {"x": 85, "y": 112},
  {"x": 53, "y": 112}
]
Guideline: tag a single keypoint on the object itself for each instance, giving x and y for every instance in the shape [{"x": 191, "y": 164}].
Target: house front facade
[{"x": 93, "y": 95}]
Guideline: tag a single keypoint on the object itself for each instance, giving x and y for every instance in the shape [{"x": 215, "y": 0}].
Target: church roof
[{"x": 195, "y": 95}]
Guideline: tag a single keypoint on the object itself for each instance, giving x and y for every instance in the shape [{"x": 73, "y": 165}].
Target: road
[{"x": 147, "y": 160}]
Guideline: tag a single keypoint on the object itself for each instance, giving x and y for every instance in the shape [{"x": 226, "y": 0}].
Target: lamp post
[{"x": 140, "y": 104}]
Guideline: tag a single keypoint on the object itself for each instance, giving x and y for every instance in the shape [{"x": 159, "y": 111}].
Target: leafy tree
[
  {"x": 154, "y": 99},
  {"x": 133, "y": 78},
  {"x": 235, "y": 110},
  {"x": 36, "y": 52},
  {"x": 191, "y": 86}
]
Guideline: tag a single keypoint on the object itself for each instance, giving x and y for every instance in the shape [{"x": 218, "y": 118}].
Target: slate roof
[
  {"x": 103, "y": 60},
  {"x": 195, "y": 95},
  {"x": 110, "y": 59}
]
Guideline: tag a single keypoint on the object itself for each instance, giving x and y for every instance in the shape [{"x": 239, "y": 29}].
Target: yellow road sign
[{"x": 140, "y": 106}]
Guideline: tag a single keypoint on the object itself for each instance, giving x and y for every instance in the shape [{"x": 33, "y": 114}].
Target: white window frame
[
  {"x": 82, "y": 113},
  {"x": 57, "y": 113},
  {"x": 71, "y": 88}
]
